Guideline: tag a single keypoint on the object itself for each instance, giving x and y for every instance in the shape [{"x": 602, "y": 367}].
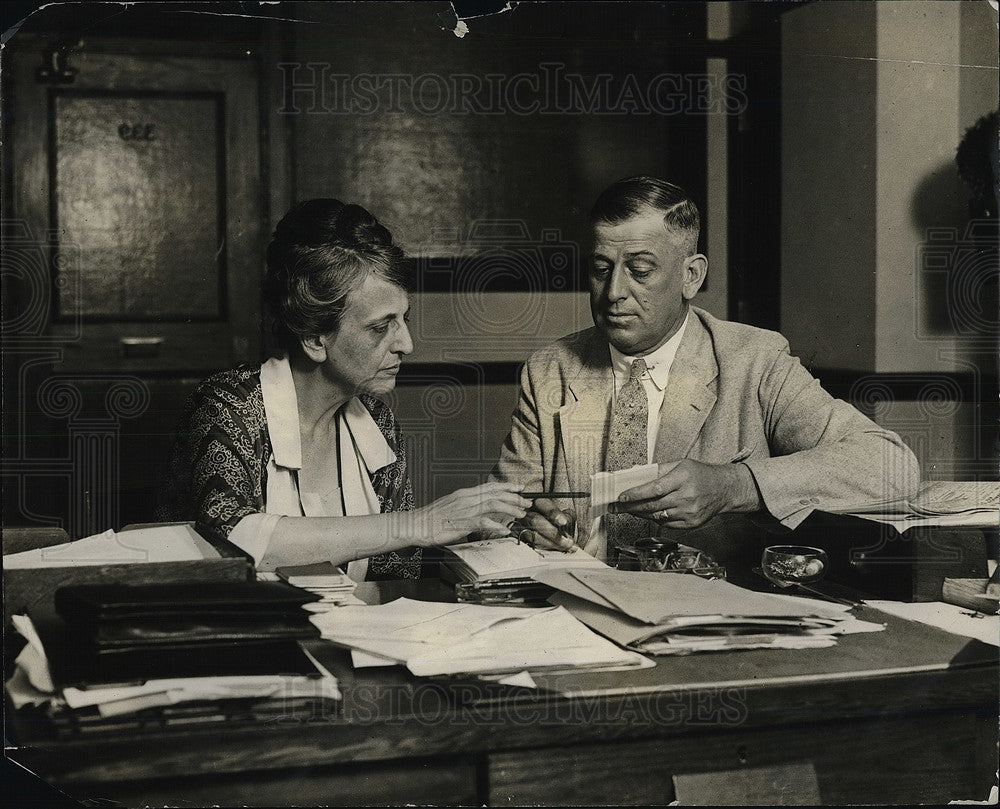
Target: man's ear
[
  {"x": 314, "y": 348},
  {"x": 695, "y": 270}
]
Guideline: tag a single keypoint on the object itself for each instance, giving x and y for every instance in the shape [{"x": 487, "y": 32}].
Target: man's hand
[
  {"x": 689, "y": 493},
  {"x": 547, "y": 526}
]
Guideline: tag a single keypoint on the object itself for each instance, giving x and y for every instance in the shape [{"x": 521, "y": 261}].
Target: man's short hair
[{"x": 626, "y": 198}]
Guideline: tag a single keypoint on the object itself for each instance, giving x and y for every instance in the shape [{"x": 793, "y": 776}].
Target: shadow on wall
[
  {"x": 937, "y": 209},
  {"x": 957, "y": 261}
]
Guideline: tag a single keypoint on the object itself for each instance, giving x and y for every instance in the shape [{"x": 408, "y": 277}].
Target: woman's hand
[{"x": 486, "y": 510}]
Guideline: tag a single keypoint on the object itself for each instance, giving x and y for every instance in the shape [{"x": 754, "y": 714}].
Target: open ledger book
[
  {"x": 943, "y": 503},
  {"x": 506, "y": 558},
  {"x": 957, "y": 497},
  {"x": 673, "y": 613}
]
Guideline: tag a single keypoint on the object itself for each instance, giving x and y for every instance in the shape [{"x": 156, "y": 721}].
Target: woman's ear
[
  {"x": 695, "y": 270},
  {"x": 314, "y": 348}
]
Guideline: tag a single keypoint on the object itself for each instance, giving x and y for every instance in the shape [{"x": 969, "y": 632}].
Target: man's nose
[
  {"x": 617, "y": 284},
  {"x": 404, "y": 341}
]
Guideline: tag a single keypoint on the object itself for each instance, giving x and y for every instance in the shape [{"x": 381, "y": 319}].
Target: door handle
[{"x": 139, "y": 347}]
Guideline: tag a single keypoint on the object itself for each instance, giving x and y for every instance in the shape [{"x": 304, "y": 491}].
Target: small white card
[{"x": 606, "y": 486}]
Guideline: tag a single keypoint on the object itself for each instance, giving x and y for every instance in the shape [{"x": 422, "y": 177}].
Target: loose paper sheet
[
  {"x": 948, "y": 617},
  {"x": 166, "y": 543},
  {"x": 434, "y": 638},
  {"x": 656, "y": 597}
]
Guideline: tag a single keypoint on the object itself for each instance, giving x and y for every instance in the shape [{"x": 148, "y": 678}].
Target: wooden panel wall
[{"x": 515, "y": 129}]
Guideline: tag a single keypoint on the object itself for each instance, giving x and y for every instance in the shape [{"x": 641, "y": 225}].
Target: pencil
[{"x": 571, "y": 495}]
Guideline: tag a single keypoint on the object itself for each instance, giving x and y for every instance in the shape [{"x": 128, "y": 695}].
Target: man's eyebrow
[
  {"x": 628, "y": 254},
  {"x": 386, "y": 318}
]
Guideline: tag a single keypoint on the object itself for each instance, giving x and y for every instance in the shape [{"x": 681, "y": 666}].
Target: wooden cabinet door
[
  {"x": 132, "y": 257},
  {"x": 139, "y": 183}
]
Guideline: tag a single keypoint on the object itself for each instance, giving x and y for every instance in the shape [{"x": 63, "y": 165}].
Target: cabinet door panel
[
  {"x": 140, "y": 184},
  {"x": 139, "y": 190}
]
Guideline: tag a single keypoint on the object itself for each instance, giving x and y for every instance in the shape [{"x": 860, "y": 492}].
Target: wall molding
[
  {"x": 913, "y": 386},
  {"x": 866, "y": 387},
  {"x": 467, "y": 372}
]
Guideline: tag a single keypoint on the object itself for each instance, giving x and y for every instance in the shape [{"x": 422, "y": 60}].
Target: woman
[{"x": 297, "y": 461}]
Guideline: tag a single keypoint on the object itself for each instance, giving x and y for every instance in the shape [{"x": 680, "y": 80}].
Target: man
[{"x": 734, "y": 422}]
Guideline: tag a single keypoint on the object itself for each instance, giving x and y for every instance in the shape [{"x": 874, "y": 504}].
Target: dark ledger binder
[
  {"x": 74, "y": 660},
  {"x": 98, "y": 603},
  {"x": 118, "y": 636}
]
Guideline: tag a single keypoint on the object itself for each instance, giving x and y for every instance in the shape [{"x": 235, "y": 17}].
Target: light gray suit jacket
[{"x": 733, "y": 391}]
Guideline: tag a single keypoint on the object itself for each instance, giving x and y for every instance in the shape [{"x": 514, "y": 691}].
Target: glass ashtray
[
  {"x": 513, "y": 592},
  {"x": 665, "y": 556}
]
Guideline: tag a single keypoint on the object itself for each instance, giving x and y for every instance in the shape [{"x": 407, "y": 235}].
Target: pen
[
  {"x": 522, "y": 541},
  {"x": 537, "y": 495}
]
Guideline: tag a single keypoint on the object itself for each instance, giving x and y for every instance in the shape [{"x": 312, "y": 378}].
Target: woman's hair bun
[
  {"x": 309, "y": 224},
  {"x": 357, "y": 228},
  {"x": 319, "y": 222}
]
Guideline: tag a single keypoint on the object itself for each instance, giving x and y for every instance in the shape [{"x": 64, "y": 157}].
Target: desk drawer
[
  {"x": 626, "y": 774},
  {"x": 448, "y": 782},
  {"x": 929, "y": 758}
]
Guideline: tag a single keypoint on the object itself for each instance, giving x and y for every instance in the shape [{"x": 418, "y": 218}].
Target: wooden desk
[{"x": 908, "y": 715}]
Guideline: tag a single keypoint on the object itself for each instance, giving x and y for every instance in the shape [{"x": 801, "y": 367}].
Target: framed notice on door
[{"x": 138, "y": 189}]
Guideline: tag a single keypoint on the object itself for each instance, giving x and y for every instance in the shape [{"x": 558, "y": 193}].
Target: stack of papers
[
  {"x": 76, "y": 708},
  {"x": 942, "y": 503},
  {"x": 329, "y": 582},
  {"x": 432, "y": 638},
  {"x": 506, "y": 558},
  {"x": 957, "y": 497},
  {"x": 668, "y": 613}
]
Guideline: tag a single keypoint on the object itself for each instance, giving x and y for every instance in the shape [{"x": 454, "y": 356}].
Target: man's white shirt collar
[{"x": 657, "y": 363}]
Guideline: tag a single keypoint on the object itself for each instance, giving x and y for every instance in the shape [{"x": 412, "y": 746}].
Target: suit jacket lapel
[
  {"x": 583, "y": 422},
  {"x": 689, "y": 395}
]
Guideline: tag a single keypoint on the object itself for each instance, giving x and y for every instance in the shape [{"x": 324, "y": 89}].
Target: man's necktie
[{"x": 627, "y": 440}]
